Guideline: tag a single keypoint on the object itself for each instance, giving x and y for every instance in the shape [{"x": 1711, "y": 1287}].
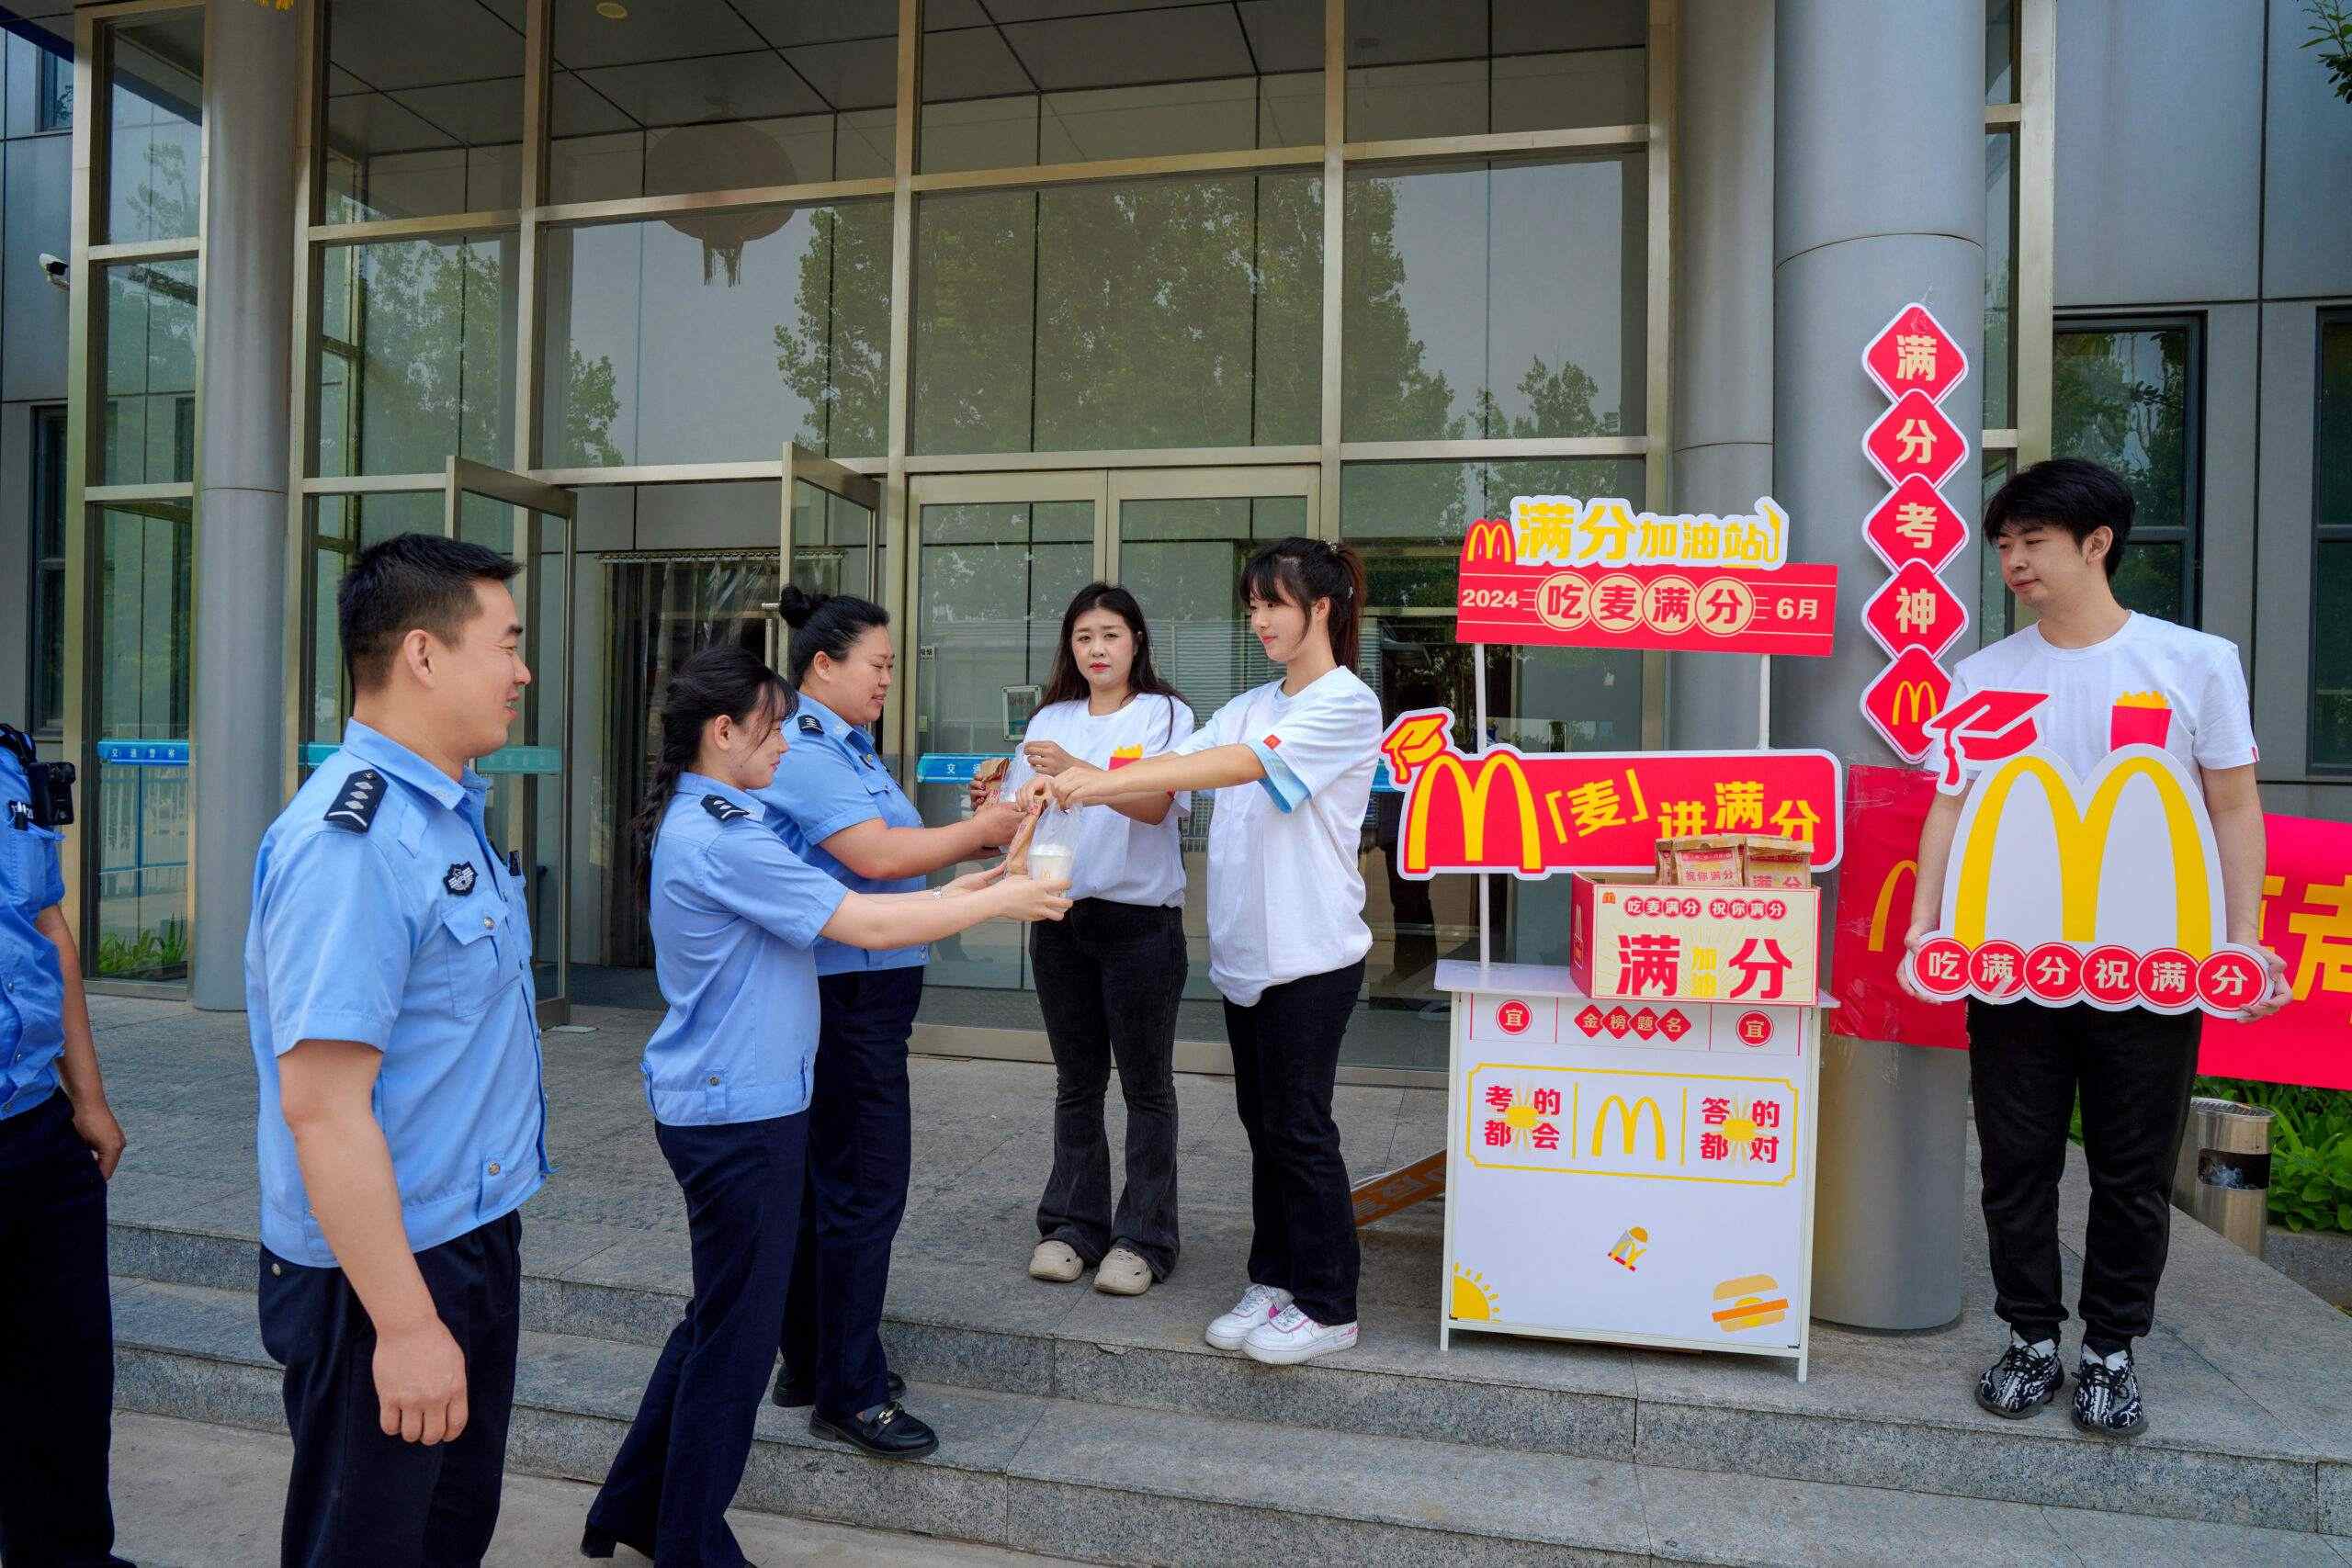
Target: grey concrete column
[
  {"x": 1723, "y": 322},
  {"x": 252, "y": 98},
  {"x": 1878, "y": 159}
]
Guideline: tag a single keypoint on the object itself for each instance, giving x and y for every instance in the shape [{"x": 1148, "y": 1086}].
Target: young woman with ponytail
[
  {"x": 837, "y": 807},
  {"x": 1287, "y": 937},
  {"x": 735, "y": 916}
]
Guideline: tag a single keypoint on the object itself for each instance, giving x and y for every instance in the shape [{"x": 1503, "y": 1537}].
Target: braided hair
[
  {"x": 1299, "y": 571},
  {"x": 723, "y": 678}
]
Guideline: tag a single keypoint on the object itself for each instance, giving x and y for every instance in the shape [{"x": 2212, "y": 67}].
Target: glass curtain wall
[{"x": 1114, "y": 233}]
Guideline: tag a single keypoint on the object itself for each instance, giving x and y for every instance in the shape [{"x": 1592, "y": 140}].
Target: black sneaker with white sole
[
  {"x": 2026, "y": 1378},
  {"x": 2107, "y": 1396}
]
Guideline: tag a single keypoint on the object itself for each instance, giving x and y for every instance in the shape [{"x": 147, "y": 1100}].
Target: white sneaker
[
  {"x": 1290, "y": 1335},
  {"x": 1257, "y": 1306}
]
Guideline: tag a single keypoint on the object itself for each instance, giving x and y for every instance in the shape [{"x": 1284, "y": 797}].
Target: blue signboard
[{"x": 143, "y": 753}]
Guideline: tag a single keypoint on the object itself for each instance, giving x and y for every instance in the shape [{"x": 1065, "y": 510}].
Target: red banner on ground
[
  {"x": 1511, "y": 596},
  {"x": 1535, "y": 813},
  {"x": 2306, "y": 919}
]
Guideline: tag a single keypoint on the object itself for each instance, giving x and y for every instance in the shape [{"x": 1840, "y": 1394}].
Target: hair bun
[{"x": 796, "y": 605}]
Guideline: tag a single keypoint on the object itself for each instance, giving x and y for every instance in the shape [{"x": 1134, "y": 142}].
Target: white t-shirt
[
  {"x": 1285, "y": 889},
  {"x": 1116, "y": 857},
  {"x": 2197, "y": 675}
]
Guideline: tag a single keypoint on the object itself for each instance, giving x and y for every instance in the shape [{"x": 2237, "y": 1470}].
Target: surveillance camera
[{"x": 54, "y": 268}]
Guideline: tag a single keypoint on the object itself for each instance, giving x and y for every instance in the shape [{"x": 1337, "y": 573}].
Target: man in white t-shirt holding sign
[{"x": 2061, "y": 529}]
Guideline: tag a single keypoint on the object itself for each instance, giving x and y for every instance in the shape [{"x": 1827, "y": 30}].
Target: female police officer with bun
[
  {"x": 735, "y": 916},
  {"x": 837, "y": 807}
]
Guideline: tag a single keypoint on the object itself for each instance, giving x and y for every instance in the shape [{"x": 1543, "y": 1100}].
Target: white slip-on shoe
[
  {"x": 1056, "y": 1262},
  {"x": 1258, "y": 1305},
  {"x": 1122, "y": 1273},
  {"x": 1291, "y": 1336}
]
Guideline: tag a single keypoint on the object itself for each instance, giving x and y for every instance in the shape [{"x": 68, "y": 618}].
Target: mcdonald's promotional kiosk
[{"x": 1630, "y": 1140}]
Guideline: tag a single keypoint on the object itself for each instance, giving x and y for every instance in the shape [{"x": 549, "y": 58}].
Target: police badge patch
[{"x": 459, "y": 878}]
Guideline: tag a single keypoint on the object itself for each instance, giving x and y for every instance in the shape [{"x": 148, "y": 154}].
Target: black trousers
[
  {"x": 56, "y": 1346},
  {"x": 356, "y": 1496},
  {"x": 2133, "y": 1069},
  {"x": 1286, "y": 1060},
  {"x": 861, "y": 1151},
  {"x": 678, "y": 1468},
  {"x": 1109, "y": 977}
]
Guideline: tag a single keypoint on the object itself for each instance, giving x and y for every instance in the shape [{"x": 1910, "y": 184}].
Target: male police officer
[
  {"x": 387, "y": 989},
  {"x": 59, "y": 1145}
]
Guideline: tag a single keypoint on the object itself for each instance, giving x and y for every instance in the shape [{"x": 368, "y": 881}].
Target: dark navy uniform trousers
[
  {"x": 56, "y": 1346},
  {"x": 861, "y": 1152},
  {"x": 357, "y": 1496},
  {"x": 677, "y": 1470}
]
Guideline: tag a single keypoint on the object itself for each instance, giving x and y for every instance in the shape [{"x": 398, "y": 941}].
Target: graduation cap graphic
[{"x": 1989, "y": 726}]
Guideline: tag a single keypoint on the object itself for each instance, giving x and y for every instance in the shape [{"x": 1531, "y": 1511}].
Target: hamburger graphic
[{"x": 1752, "y": 1301}]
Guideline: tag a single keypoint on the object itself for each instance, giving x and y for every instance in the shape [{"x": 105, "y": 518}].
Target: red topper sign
[
  {"x": 1790, "y": 609},
  {"x": 1914, "y": 437},
  {"x": 1903, "y": 697},
  {"x": 1914, "y": 609},
  {"x": 1541, "y": 813},
  {"x": 1915, "y": 523},
  {"x": 1912, "y": 351}
]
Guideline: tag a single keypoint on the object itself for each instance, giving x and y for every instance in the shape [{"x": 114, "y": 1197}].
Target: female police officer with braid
[{"x": 735, "y": 916}]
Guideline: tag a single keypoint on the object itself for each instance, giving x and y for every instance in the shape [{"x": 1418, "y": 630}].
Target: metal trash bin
[{"x": 2223, "y": 1176}]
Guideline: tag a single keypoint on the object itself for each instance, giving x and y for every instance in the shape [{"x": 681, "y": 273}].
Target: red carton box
[{"x": 1631, "y": 939}]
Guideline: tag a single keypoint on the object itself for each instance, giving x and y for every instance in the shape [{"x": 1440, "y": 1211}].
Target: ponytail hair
[
  {"x": 723, "y": 678},
  {"x": 1299, "y": 571},
  {"x": 826, "y": 624}
]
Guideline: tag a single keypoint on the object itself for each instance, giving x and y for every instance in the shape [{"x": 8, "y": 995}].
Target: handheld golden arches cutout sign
[{"x": 2105, "y": 889}]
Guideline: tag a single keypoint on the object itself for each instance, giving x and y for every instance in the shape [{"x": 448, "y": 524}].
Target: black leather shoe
[
  {"x": 885, "y": 1432},
  {"x": 594, "y": 1543},
  {"x": 791, "y": 1393}
]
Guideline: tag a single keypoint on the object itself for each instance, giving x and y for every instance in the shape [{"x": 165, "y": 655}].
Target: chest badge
[{"x": 459, "y": 878}]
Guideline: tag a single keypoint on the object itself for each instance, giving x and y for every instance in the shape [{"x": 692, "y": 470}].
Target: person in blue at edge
[
  {"x": 59, "y": 1146},
  {"x": 735, "y": 916},
  {"x": 837, "y": 807},
  {"x": 388, "y": 990}
]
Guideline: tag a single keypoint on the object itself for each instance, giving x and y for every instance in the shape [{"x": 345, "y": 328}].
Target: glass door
[
  {"x": 530, "y": 808},
  {"x": 996, "y": 559},
  {"x": 1177, "y": 538}
]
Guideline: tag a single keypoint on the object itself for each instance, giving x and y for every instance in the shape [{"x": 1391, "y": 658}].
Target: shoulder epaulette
[
  {"x": 354, "y": 808},
  {"x": 726, "y": 810},
  {"x": 809, "y": 726}
]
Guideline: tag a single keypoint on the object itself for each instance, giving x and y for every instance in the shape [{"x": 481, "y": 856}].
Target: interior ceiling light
[{"x": 612, "y": 10}]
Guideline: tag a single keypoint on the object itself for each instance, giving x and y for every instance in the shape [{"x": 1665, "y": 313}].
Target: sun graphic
[
  {"x": 1474, "y": 1298},
  {"x": 1742, "y": 1130},
  {"x": 1521, "y": 1118}
]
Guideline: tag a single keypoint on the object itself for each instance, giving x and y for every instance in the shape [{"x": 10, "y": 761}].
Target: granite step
[
  {"x": 1879, "y": 1412},
  {"x": 1118, "y": 1483}
]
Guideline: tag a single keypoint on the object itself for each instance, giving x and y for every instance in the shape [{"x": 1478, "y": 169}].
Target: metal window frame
[
  {"x": 2324, "y": 533},
  {"x": 46, "y": 470},
  {"x": 93, "y": 31},
  {"x": 2191, "y": 534}
]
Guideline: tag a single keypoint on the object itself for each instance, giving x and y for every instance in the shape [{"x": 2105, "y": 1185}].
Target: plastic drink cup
[{"x": 1052, "y": 864}]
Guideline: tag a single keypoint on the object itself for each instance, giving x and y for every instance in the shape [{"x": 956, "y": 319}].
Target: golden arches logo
[
  {"x": 2083, "y": 833},
  {"x": 1883, "y": 910},
  {"x": 1470, "y": 792},
  {"x": 1489, "y": 539},
  {"x": 1914, "y": 702},
  {"x": 1629, "y": 1126}
]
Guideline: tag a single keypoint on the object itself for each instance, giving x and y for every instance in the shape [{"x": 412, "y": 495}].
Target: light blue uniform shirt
[
  {"x": 735, "y": 916},
  {"x": 33, "y": 985},
  {"x": 382, "y": 914},
  {"x": 831, "y": 778}
]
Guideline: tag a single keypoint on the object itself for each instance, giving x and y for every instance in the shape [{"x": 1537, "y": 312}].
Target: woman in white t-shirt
[
  {"x": 1110, "y": 980},
  {"x": 1287, "y": 937}
]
